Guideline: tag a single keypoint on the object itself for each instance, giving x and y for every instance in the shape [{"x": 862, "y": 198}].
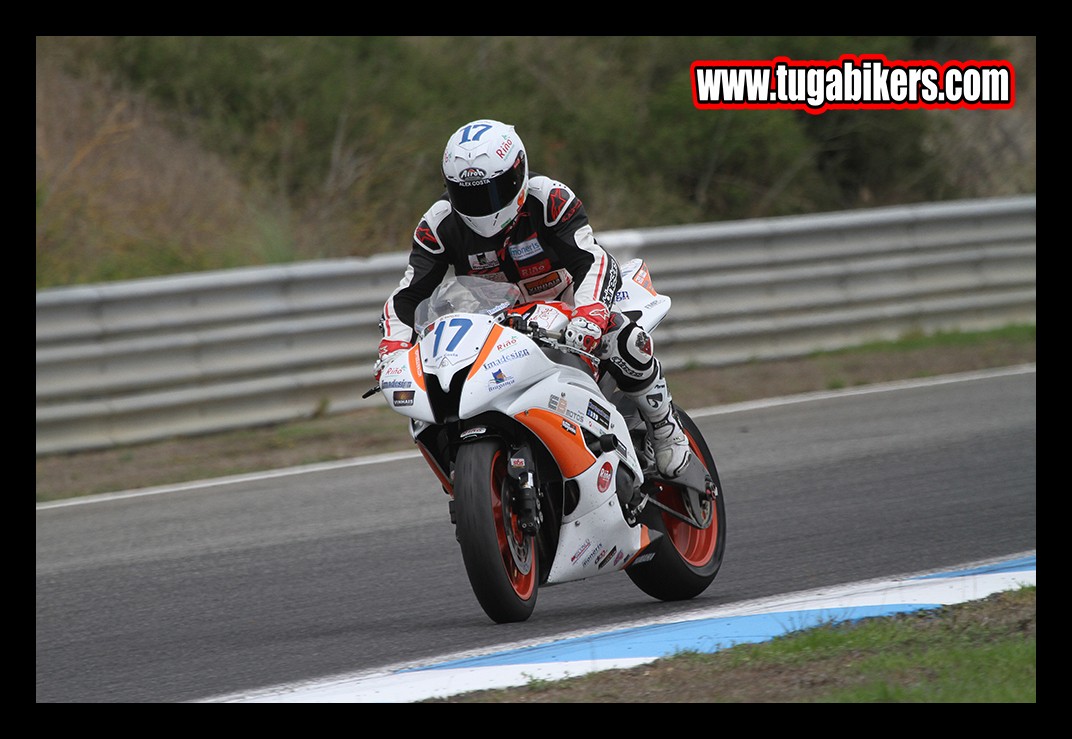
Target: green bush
[{"x": 329, "y": 146}]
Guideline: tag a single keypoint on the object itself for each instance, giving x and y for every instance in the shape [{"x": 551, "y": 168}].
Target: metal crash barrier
[{"x": 142, "y": 360}]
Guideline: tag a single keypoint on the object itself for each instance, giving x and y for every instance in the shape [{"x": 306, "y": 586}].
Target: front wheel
[
  {"x": 686, "y": 558},
  {"x": 499, "y": 558}
]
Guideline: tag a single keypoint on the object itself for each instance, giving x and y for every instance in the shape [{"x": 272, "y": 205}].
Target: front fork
[
  {"x": 519, "y": 491},
  {"x": 520, "y": 483}
]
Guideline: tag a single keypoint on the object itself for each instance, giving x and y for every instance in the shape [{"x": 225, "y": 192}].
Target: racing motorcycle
[{"x": 547, "y": 465}]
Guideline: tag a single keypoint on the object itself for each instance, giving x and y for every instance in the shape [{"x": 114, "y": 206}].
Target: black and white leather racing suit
[{"x": 551, "y": 253}]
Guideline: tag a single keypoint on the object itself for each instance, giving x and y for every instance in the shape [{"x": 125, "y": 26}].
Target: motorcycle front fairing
[
  {"x": 508, "y": 373},
  {"x": 586, "y": 435}
]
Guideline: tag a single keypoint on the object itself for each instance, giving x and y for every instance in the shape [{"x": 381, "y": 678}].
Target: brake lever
[
  {"x": 557, "y": 340},
  {"x": 550, "y": 339}
]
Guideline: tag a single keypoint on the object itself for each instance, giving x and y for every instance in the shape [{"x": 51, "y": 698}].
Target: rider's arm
[
  {"x": 428, "y": 263},
  {"x": 596, "y": 277}
]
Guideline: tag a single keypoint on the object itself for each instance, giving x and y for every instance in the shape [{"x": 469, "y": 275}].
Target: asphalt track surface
[
  {"x": 709, "y": 629},
  {"x": 217, "y": 588}
]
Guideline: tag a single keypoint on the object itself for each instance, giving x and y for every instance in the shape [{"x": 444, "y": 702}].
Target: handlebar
[{"x": 552, "y": 339}]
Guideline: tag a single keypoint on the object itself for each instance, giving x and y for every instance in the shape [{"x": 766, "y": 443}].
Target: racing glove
[
  {"x": 387, "y": 348},
  {"x": 586, "y": 327}
]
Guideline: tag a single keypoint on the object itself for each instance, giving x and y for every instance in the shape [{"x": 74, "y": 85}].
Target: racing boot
[{"x": 669, "y": 443}]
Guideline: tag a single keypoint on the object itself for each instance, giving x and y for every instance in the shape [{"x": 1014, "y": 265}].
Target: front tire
[
  {"x": 500, "y": 560},
  {"x": 687, "y": 558}
]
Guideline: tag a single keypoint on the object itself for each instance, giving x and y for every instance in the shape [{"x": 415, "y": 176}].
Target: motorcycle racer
[{"x": 499, "y": 221}]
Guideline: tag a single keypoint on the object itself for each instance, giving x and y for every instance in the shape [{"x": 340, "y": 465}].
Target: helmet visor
[{"x": 482, "y": 197}]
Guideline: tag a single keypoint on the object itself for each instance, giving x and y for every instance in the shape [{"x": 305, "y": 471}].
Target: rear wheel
[
  {"x": 499, "y": 559},
  {"x": 687, "y": 558}
]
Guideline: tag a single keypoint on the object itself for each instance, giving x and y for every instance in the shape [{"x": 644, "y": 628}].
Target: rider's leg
[{"x": 628, "y": 349}]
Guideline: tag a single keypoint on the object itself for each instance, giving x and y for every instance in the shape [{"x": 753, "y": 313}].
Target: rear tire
[
  {"x": 500, "y": 561},
  {"x": 687, "y": 559}
]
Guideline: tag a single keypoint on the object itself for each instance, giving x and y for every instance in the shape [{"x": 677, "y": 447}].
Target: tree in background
[{"x": 158, "y": 155}]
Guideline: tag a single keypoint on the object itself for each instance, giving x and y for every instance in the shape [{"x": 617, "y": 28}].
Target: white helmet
[{"x": 487, "y": 175}]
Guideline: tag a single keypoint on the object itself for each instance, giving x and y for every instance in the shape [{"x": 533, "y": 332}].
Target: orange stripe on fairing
[
  {"x": 448, "y": 486},
  {"x": 568, "y": 449},
  {"x": 489, "y": 344},
  {"x": 415, "y": 367},
  {"x": 643, "y": 278}
]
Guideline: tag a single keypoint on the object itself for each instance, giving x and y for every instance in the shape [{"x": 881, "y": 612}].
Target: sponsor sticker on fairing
[
  {"x": 499, "y": 380},
  {"x": 643, "y": 278},
  {"x": 557, "y": 403},
  {"x": 603, "y": 562},
  {"x": 505, "y": 358},
  {"x": 581, "y": 550},
  {"x": 599, "y": 414},
  {"x": 603, "y": 478},
  {"x": 597, "y": 553},
  {"x": 402, "y": 398}
]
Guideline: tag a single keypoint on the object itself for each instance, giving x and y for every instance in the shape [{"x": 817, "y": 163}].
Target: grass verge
[{"x": 977, "y": 652}]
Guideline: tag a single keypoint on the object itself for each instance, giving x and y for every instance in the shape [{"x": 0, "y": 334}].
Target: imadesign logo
[{"x": 506, "y": 358}]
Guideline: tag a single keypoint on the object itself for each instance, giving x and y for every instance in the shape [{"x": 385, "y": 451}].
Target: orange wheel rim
[
  {"x": 514, "y": 548},
  {"x": 696, "y": 546}
]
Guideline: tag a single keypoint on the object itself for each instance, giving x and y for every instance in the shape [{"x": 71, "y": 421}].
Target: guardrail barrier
[{"x": 142, "y": 360}]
